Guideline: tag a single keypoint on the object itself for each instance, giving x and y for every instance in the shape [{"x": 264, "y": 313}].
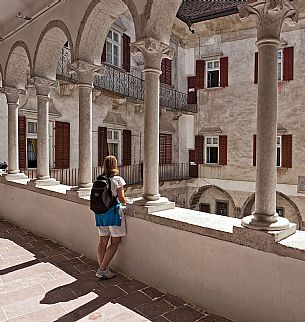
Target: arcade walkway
[{"x": 43, "y": 281}]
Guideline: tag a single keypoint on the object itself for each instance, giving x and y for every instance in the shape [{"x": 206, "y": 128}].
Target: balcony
[{"x": 124, "y": 84}]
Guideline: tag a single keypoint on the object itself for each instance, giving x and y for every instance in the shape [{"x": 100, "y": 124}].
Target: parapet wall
[{"x": 206, "y": 259}]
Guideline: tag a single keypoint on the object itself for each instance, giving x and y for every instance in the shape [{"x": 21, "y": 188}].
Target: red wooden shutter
[
  {"x": 166, "y": 68},
  {"x": 165, "y": 148},
  {"x": 102, "y": 145},
  {"x": 22, "y": 141},
  {"x": 223, "y": 149},
  {"x": 256, "y": 69},
  {"x": 103, "y": 57},
  {"x": 126, "y": 147},
  {"x": 126, "y": 52},
  {"x": 287, "y": 151},
  {"x": 192, "y": 92},
  {"x": 224, "y": 72},
  {"x": 199, "y": 139},
  {"x": 62, "y": 145},
  {"x": 199, "y": 83},
  {"x": 288, "y": 63},
  {"x": 254, "y": 150}
]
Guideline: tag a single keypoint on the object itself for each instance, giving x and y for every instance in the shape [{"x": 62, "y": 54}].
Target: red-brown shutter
[
  {"x": 165, "y": 148},
  {"x": 199, "y": 84},
  {"x": 223, "y": 150},
  {"x": 126, "y": 52},
  {"x": 254, "y": 150},
  {"x": 199, "y": 139},
  {"x": 287, "y": 151},
  {"x": 191, "y": 91},
  {"x": 256, "y": 69},
  {"x": 62, "y": 145},
  {"x": 224, "y": 72},
  {"x": 166, "y": 68},
  {"x": 102, "y": 145},
  {"x": 288, "y": 63},
  {"x": 22, "y": 141},
  {"x": 103, "y": 57},
  {"x": 126, "y": 147}
]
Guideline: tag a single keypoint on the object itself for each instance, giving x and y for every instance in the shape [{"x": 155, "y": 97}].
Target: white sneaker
[{"x": 105, "y": 273}]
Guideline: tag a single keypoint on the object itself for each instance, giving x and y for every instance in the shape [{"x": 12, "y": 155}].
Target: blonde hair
[{"x": 110, "y": 166}]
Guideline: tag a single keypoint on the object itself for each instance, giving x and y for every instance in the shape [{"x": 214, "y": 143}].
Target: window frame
[
  {"x": 279, "y": 146},
  {"x": 113, "y": 43},
  {"x": 222, "y": 202},
  {"x": 165, "y": 135},
  {"x": 206, "y": 145},
  {"x": 280, "y": 61},
  {"x": 115, "y": 141},
  {"x": 207, "y": 70}
]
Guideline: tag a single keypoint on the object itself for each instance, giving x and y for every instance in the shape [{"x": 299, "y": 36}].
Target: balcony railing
[
  {"x": 133, "y": 174},
  {"x": 127, "y": 85}
]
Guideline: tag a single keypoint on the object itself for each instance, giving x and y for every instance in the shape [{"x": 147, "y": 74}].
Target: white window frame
[
  {"x": 30, "y": 136},
  {"x": 207, "y": 145},
  {"x": 281, "y": 62},
  {"x": 279, "y": 146},
  {"x": 118, "y": 44},
  {"x": 207, "y": 70},
  {"x": 116, "y": 141}
]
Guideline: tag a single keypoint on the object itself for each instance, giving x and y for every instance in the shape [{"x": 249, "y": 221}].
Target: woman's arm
[{"x": 121, "y": 195}]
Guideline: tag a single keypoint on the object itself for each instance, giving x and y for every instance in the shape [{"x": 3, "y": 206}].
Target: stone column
[
  {"x": 270, "y": 15},
  {"x": 85, "y": 73},
  {"x": 153, "y": 52},
  {"x": 12, "y": 97},
  {"x": 43, "y": 87}
]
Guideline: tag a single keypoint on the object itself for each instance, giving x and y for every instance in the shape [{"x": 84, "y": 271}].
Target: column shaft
[
  {"x": 43, "y": 157},
  {"x": 13, "y": 153},
  {"x": 151, "y": 135},
  {"x": 266, "y": 176},
  {"x": 85, "y": 136}
]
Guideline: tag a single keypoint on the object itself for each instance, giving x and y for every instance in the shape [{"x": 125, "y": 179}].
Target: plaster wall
[
  {"x": 233, "y": 108},
  {"x": 3, "y": 129}
]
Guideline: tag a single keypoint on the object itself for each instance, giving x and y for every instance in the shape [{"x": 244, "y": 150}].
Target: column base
[
  {"x": 46, "y": 182},
  {"x": 80, "y": 192},
  {"x": 150, "y": 206},
  {"x": 15, "y": 176},
  {"x": 252, "y": 223}
]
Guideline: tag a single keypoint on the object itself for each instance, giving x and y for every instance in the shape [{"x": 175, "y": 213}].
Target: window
[
  {"x": 114, "y": 143},
  {"x": 280, "y": 65},
  {"x": 222, "y": 208},
  {"x": 31, "y": 150},
  {"x": 280, "y": 211},
  {"x": 113, "y": 48},
  {"x": 278, "y": 151},
  {"x": 211, "y": 149},
  {"x": 165, "y": 148},
  {"x": 212, "y": 73}
]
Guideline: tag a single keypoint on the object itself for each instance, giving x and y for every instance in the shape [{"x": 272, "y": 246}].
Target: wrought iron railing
[
  {"x": 133, "y": 174},
  {"x": 127, "y": 85}
]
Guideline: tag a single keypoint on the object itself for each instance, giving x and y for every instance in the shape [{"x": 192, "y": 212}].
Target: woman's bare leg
[
  {"x": 101, "y": 249},
  {"x": 110, "y": 251}
]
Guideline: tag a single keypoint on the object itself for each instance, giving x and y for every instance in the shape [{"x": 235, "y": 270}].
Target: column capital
[
  {"x": 12, "y": 94},
  {"x": 153, "y": 51},
  {"x": 86, "y": 71},
  {"x": 270, "y": 16},
  {"x": 42, "y": 85}
]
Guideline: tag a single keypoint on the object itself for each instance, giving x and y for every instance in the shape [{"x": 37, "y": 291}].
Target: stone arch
[
  {"x": 296, "y": 217},
  {"x": 18, "y": 66},
  {"x": 95, "y": 25},
  {"x": 195, "y": 198},
  {"x": 48, "y": 48}
]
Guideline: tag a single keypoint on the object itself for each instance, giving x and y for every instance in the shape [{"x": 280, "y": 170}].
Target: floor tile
[
  {"x": 183, "y": 314},
  {"x": 155, "y": 308}
]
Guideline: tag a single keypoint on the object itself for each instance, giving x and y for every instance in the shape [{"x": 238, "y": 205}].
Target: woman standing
[{"x": 104, "y": 253}]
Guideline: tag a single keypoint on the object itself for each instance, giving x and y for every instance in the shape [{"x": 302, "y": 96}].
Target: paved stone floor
[{"x": 44, "y": 281}]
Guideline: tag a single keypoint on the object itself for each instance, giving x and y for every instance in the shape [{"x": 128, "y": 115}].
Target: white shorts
[{"x": 114, "y": 231}]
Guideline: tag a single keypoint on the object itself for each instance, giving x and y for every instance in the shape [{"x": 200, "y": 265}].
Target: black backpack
[{"x": 101, "y": 197}]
